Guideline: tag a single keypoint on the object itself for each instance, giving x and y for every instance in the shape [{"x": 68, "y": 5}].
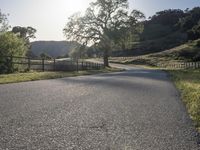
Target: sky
[{"x": 49, "y": 17}]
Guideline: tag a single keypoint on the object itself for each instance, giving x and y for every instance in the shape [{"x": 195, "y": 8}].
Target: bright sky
[{"x": 50, "y": 16}]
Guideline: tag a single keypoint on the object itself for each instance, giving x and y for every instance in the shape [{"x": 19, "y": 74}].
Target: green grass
[
  {"x": 32, "y": 76},
  {"x": 188, "y": 82}
]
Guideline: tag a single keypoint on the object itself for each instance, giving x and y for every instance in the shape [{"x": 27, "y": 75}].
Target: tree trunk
[{"x": 105, "y": 58}]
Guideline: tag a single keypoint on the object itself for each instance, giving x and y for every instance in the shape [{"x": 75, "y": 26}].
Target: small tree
[
  {"x": 45, "y": 56},
  {"x": 101, "y": 20},
  {"x": 25, "y": 33},
  {"x": 10, "y": 45}
]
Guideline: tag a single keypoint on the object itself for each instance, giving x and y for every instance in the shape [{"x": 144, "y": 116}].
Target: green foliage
[
  {"x": 188, "y": 82},
  {"x": 194, "y": 33},
  {"x": 168, "y": 29},
  {"x": 30, "y": 54},
  {"x": 183, "y": 53},
  {"x": 167, "y": 17},
  {"x": 198, "y": 43},
  {"x": 10, "y": 45},
  {"x": 32, "y": 76},
  {"x": 190, "y": 51},
  {"x": 162, "y": 43},
  {"x": 106, "y": 22},
  {"x": 155, "y": 31},
  {"x": 26, "y": 33},
  {"x": 45, "y": 56},
  {"x": 191, "y": 23}
]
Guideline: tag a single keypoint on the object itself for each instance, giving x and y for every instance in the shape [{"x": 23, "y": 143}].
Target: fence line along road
[
  {"x": 181, "y": 65},
  {"x": 42, "y": 64},
  {"x": 177, "y": 65}
]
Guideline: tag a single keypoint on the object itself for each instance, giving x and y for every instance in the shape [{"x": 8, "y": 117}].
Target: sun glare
[
  {"x": 70, "y": 6},
  {"x": 55, "y": 13}
]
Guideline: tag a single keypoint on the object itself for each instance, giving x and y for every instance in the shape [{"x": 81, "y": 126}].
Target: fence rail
[
  {"x": 50, "y": 64},
  {"x": 173, "y": 65},
  {"x": 181, "y": 65}
]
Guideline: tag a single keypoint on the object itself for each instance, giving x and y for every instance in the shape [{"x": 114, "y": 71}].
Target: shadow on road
[{"x": 129, "y": 80}]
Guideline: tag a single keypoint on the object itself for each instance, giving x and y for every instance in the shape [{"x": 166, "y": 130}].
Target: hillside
[
  {"x": 189, "y": 51},
  {"x": 52, "y": 48},
  {"x": 164, "y": 30}
]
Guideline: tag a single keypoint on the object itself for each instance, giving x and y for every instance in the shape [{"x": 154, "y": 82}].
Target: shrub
[
  {"x": 197, "y": 57},
  {"x": 198, "y": 43},
  {"x": 10, "y": 45}
]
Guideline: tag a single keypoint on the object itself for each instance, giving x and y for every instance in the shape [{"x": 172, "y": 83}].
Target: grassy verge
[
  {"x": 32, "y": 76},
  {"x": 188, "y": 82}
]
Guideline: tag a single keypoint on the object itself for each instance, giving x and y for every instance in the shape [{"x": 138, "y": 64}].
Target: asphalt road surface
[{"x": 138, "y": 109}]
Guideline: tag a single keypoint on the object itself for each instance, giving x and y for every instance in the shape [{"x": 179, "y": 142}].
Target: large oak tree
[{"x": 105, "y": 24}]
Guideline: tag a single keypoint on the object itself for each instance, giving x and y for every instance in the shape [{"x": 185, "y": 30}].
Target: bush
[
  {"x": 10, "y": 45},
  {"x": 198, "y": 43},
  {"x": 197, "y": 57}
]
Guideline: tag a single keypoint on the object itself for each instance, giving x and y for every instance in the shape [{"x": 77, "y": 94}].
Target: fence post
[
  {"x": 88, "y": 65},
  {"x": 54, "y": 64},
  {"x": 29, "y": 63},
  {"x": 77, "y": 65},
  {"x": 42, "y": 64},
  {"x": 10, "y": 63}
]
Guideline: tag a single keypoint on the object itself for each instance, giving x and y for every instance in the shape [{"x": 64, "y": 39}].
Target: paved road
[{"x": 137, "y": 109}]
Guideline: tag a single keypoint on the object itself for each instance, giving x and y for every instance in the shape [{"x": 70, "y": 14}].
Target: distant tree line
[
  {"x": 164, "y": 30},
  {"x": 187, "y": 21}
]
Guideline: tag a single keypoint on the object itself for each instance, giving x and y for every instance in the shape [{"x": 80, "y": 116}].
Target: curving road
[{"x": 138, "y": 109}]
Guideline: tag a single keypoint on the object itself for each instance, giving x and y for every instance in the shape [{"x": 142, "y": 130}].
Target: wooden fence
[
  {"x": 42, "y": 64},
  {"x": 172, "y": 65},
  {"x": 179, "y": 65}
]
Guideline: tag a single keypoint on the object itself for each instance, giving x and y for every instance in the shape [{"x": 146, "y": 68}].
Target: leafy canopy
[
  {"x": 26, "y": 33},
  {"x": 10, "y": 45},
  {"x": 105, "y": 23}
]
